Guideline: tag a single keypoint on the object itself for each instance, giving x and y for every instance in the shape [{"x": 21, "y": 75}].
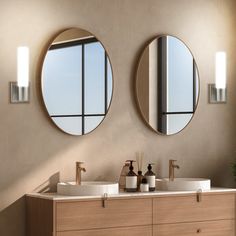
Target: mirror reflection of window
[
  {"x": 181, "y": 81},
  {"x": 167, "y": 85},
  {"x": 77, "y": 84}
]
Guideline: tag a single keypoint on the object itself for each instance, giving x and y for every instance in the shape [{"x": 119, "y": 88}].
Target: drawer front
[
  {"x": 91, "y": 214},
  {"x": 210, "y": 228},
  {"x": 132, "y": 231},
  {"x": 187, "y": 209}
]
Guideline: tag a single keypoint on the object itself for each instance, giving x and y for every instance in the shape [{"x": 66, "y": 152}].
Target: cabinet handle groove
[
  {"x": 104, "y": 199},
  {"x": 199, "y": 195}
]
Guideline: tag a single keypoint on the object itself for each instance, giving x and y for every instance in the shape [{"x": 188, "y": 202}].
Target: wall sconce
[
  {"x": 218, "y": 91},
  {"x": 19, "y": 91}
]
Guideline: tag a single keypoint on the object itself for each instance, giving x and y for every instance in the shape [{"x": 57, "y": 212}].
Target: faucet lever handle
[
  {"x": 78, "y": 165},
  {"x": 79, "y": 162},
  {"x": 172, "y": 161}
]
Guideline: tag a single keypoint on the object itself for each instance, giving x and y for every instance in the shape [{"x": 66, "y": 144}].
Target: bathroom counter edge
[{"x": 56, "y": 197}]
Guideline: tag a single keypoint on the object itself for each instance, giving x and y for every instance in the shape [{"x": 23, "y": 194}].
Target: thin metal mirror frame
[
  {"x": 136, "y": 84},
  {"x": 41, "y": 80}
]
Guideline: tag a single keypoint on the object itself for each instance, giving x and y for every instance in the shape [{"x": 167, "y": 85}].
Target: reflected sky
[
  {"x": 94, "y": 79},
  {"x": 62, "y": 76},
  {"x": 179, "y": 77}
]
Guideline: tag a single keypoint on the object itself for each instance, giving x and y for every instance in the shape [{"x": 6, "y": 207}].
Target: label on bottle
[
  {"x": 151, "y": 181},
  {"x": 131, "y": 182},
  {"x": 144, "y": 187}
]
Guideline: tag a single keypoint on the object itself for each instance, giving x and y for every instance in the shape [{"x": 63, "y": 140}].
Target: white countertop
[{"x": 56, "y": 197}]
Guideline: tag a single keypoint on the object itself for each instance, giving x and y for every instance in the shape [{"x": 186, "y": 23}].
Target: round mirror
[
  {"x": 167, "y": 85},
  {"x": 77, "y": 81}
]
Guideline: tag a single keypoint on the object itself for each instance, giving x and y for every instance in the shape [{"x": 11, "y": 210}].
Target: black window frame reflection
[
  {"x": 162, "y": 86},
  {"x": 84, "y": 42}
]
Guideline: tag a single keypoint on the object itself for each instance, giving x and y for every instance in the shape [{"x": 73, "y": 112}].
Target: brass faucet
[
  {"x": 172, "y": 167},
  {"x": 79, "y": 168}
]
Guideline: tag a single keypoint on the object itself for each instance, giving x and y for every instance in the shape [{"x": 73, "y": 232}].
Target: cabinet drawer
[
  {"x": 131, "y": 231},
  {"x": 187, "y": 209},
  {"x": 91, "y": 214},
  {"x": 209, "y": 228}
]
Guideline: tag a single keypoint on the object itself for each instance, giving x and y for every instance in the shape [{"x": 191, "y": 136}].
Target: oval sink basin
[
  {"x": 87, "y": 188},
  {"x": 183, "y": 184}
]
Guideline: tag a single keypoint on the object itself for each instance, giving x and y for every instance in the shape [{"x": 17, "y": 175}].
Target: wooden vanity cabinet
[
  {"x": 213, "y": 215},
  {"x": 129, "y": 231},
  {"x": 119, "y": 217},
  {"x": 92, "y": 215},
  {"x": 177, "y": 215},
  {"x": 207, "y": 228}
]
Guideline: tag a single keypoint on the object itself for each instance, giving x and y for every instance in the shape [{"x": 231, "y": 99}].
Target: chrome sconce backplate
[
  {"x": 217, "y": 95},
  {"x": 19, "y": 94}
]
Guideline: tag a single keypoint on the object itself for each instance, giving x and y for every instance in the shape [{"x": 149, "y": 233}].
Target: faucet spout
[
  {"x": 172, "y": 167},
  {"x": 79, "y": 169}
]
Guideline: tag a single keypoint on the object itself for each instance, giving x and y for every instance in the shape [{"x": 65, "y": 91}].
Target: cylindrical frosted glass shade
[
  {"x": 220, "y": 70},
  {"x": 23, "y": 66}
]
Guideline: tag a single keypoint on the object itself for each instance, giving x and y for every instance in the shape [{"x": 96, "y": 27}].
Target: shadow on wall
[
  {"x": 17, "y": 226},
  {"x": 8, "y": 227},
  {"x": 50, "y": 185}
]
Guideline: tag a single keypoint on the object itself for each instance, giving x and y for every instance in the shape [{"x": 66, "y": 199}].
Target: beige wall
[{"x": 33, "y": 152}]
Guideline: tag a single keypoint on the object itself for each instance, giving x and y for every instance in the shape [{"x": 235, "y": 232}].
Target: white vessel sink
[
  {"x": 87, "y": 188},
  {"x": 183, "y": 184}
]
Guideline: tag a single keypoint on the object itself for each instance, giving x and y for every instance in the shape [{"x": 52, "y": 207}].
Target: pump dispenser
[
  {"x": 151, "y": 178},
  {"x": 131, "y": 179}
]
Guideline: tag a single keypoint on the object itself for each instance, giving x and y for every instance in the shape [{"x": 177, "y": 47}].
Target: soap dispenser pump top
[{"x": 131, "y": 168}]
